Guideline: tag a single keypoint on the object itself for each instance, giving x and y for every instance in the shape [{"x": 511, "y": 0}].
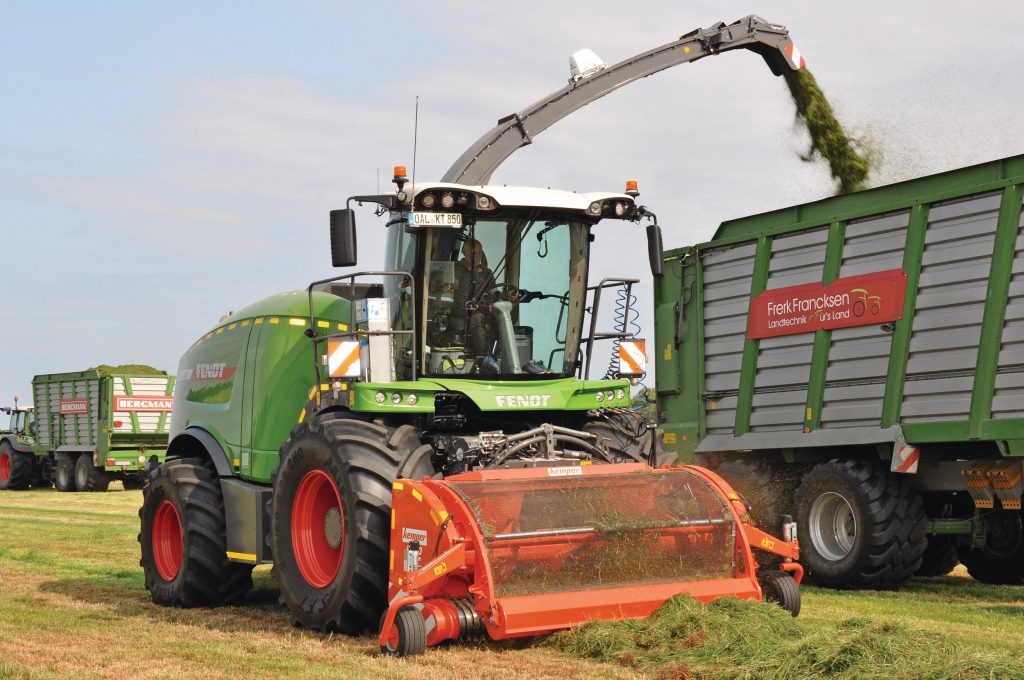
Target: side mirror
[
  {"x": 655, "y": 252},
  {"x": 343, "y": 237}
]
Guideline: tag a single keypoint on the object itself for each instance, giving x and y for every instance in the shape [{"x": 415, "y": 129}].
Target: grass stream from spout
[{"x": 848, "y": 161}]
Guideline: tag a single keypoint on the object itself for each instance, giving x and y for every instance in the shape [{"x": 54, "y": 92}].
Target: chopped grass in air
[{"x": 848, "y": 162}]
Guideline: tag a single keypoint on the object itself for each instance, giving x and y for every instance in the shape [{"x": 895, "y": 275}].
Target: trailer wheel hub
[
  {"x": 318, "y": 529},
  {"x": 167, "y": 541},
  {"x": 832, "y": 526}
]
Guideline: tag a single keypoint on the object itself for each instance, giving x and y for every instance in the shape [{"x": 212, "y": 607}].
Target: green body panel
[
  {"x": 563, "y": 394},
  {"x": 119, "y": 440},
  {"x": 247, "y": 380},
  {"x": 247, "y": 383},
  {"x": 686, "y": 402}
]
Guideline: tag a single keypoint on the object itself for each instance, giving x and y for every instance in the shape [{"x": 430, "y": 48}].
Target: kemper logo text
[
  {"x": 123, "y": 402},
  {"x": 850, "y": 301}
]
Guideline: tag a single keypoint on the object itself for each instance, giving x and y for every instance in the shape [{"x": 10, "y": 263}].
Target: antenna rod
[{"x": 415, "y": 137}]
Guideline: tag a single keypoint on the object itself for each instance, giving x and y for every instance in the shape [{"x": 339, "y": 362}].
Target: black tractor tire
[
  {"x": 618, "y": 436},
  {"x": 43, "y": 477},
  {"x": 766, "y": 486},
  {"x": 88, "y": 477},
  {"x": 779, "y": 587},
  {"x": 411, "y": 632},
  {"x": 16, "y": 468},
  {"x": 860, "y": 526},
  {"x": 344, "y": 468},
  {"x": 184, "y": 539},
  {"x": 133, "y": 482},
  {"x": 940, "y": 557},
  {"x": 64, "y": 473},
  {"x": 1001, "y": 560}
]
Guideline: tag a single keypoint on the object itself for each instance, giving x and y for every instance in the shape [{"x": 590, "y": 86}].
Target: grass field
[{"x": 73, "y": 604}]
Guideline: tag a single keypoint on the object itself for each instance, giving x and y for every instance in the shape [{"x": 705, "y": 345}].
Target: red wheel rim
[
  {"x": 5, "y": 467},
  {"x": 167, "y": 540},
  {"x": 392, "y": 642},
  {"x": 317, "y": 502}
]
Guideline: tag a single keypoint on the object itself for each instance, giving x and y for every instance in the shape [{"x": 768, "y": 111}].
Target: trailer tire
[
  {"x": 184, "y": 539},
  {"x": 940, "y": 557},
  {"x": 860, "y": 526},
  {"x": 16, "y": 468},
  {"x": 331, "y": 518},
  {"x": 410, "y": 634},
  {"x": 1001, "y": 560},
  {"x": 766, "y": 487},
  {"x": 64, "y": 472},
  {"x": 778, "y": 587},
  {"x": 88, "y": 477}
]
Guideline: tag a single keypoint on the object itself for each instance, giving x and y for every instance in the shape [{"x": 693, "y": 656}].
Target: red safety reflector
[
  {"x": 118, "y": 423},
  {"x": 795, "y": 55},
  {"x": 111, "y": 462},
  {"x": 632, "y": 357}
]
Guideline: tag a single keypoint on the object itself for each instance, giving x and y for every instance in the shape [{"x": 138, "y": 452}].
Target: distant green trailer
[
  {"x": 93, "y": 427},
  {"x": 858, "y": 362}
]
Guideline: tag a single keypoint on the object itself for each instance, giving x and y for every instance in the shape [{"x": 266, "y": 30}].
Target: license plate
[{"x": 435, "y": 219}]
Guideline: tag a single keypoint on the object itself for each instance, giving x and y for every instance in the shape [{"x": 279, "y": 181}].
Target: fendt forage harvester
[{"x": 420, "y": 450}]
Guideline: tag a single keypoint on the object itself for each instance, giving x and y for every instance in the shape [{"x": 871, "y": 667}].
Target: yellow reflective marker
[
  {"x": 248, "y": 557},
  {"x": 274, "y": 319},
  {"x": 297, "y": 322},
  {"x": 417, "y": 495},
  {"x": 398, "y": 486}
]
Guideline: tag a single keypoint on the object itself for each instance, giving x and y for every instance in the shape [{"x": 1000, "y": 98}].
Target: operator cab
[{"x": 488, "y": 282}]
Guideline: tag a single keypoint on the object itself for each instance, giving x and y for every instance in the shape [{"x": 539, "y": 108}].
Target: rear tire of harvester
[
  {"x": 860, "y": 526},
  {"x": 940, "y": 557},
  {"x": 184, "y": 539},
  {"x": 778, "y": 587},
  {"x": 1001, "y": 560},
  {"x": 88, "y": 477},
  {"x": 331, "y": 518},
  {"x": 64, "y": 474},
  {"x": 16, "y": 468}
]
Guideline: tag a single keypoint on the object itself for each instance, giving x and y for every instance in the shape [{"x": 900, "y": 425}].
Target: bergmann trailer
[
  {"x": 862, "y": 358},
  {"x": 92, "y": 427}
]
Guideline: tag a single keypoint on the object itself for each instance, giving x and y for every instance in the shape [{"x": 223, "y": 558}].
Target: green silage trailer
[
  {"x": 94, "y": 427},
  {"x": 858, "y": 362}
]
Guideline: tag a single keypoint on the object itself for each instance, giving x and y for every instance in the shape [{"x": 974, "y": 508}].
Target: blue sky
[{"x": 161, "y": 164}]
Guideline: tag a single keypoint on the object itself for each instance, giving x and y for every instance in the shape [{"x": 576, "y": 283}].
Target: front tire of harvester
[
  {"x": 627, "y": 447},
  {"x": 940, "y": 557},
  {"x": 184, "y": 540},
  {"x": 64, "y": 474},
  {"x": 1001, "y": 560},
  {"x": 331, "y": 518},
  {"x": 88, "y": 477},
  {"x": 16, "y": 468},
  {"x": 859, "y": 525},
  {"x": 409, "y": 637},
  {"x": 778, "y": 587}
]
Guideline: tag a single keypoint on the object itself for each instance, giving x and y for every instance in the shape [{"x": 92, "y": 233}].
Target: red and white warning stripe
[
  {"x": 632, "y": 357},
  {"x": 794, "y": 54},
  {"x": 343, "y": 358},
  {"x": 905, "y": 459}
]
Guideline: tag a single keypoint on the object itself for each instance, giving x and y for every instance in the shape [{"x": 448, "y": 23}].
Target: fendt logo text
[
  {"x": 214, "y": 371},
  {"x": 522, "y": 401}
]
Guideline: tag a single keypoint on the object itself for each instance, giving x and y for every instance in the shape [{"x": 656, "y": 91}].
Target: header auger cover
[{"x": 523, "y": 552}]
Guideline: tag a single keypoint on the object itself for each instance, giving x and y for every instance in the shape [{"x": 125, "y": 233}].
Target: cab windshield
[{"x": 504, "y": 297}]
